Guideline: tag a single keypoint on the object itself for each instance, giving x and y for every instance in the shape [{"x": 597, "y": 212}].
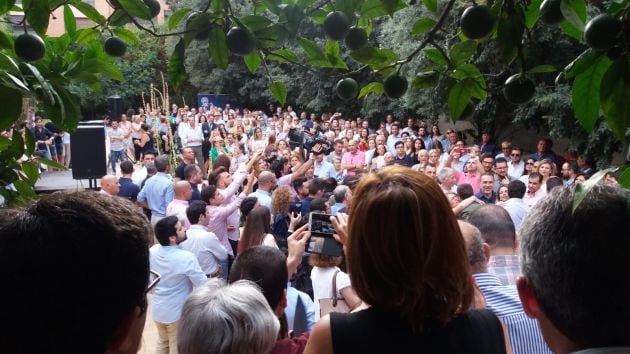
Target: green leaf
[
  {"x": 319, "y": 16},
  {"x": 374, "y": 8},
  {"x": 374, "y": 56},
  {"x": 431, "y": 5},
  {"x": 69, "y": 21},
  {"x": 571, "y": 31},
  {"x": 136, "y": 8},
  {"x": 17, "y": 144},
  {"x": 90, "y": 12},
  {"x": 333, "y": 53},
  {"x": 31, "y": 172},
  {"x": 462, "y": 51},
  {"x": 279, "y": 91},
  {"x": 126, "y": 35},
  {"x": 253, "y": 61},
  {"x": 176, "y": 68},
  {"x": 177, "y": 17},
  {"x": 532, "y": 12},
  {"x": 24, "y": 189},
  {"x": 18, "y": 82},
  {"x": 37, "y": 15},
  {"x": 7, "y": 63},
  {"x": 119, "y": 18},
  {"x": 581, "y": 63},
  {"x": 52, "y": 163},
  {"x": 282, "y": 55},
  {"x": 255, "y": 22},
  {"x": 312, "y": 50},
  {"x": 268, "y": 36},
  {"x": 373, "y": 87},
  {"x": 574, "y": 12},
  {"x": 458, "y": 98},
  {"x": 436, "y": 56},
  {"x": 6, "y": 42},
  {"x": 5, "y": 142},
  {"x": 426, "y": 79},
  {"x": 218, "y": 48},
  {"x": 422, "y": 26},
  {"x": 624, "y": 179},
  {"x": 466, "y": 71},
  {"x": 582, "y": 189},
  {"x": 390, "y": 6},
  {"x": 11, "y": 103},
  {"x": 30, "y": 142},
  {"x": 586, "y": 92},
  {"x": 540, "y": 69},
  {"x": 87, "y": 35},
  {"x": 615, "y": 93},
  {"x": 508, "y": 35},
  {"x": 6, "y": 5}
]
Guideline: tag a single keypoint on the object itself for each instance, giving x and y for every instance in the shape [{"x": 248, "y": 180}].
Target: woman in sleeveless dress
[{"x": 407, "y": 261}]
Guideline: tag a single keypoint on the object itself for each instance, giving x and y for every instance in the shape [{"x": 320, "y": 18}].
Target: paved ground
[{"x": 149, "y": 336}]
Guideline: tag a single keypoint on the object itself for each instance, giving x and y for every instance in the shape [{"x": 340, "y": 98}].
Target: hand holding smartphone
[{"x": 322, "y": 236}]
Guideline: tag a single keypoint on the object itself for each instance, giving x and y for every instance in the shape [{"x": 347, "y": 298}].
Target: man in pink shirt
[
  {"x": 179, "y": 204},
  {"x": 535, "y": 192},
  {"x": 354, "y": 159}
]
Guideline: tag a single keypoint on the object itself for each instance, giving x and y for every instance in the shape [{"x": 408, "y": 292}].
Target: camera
[{"x": 306, "y": 140}]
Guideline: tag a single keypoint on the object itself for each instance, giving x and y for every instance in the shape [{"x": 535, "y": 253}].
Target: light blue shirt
[
  {"x": 324, "y": 169},
  {"x": 289, "y": 311},
  {"x": 391, "y": 143},
  {"x": 157, "y": 192},
  {"x": 179, "y": 272},
  {"x": 264, "y": 198},
  {"x": 503, "y": 301}
]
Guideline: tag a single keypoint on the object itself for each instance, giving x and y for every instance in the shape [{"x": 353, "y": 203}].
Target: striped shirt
[{"x": 503, "y": 301}]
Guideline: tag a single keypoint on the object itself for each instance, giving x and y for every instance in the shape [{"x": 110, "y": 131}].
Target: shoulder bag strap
[{"x": 334, "y": 288}]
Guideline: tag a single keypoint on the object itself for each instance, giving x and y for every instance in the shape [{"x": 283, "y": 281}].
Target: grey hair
[
  {"x": 227, "y": 319},
  {"x": 161, "y": 163},
  {"x": 441, "y": 175},
  {"x": 340, "y": 193},
  {"x": 577, "y": 263}
]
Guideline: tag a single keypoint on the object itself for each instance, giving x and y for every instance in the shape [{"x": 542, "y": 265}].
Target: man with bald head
[
  {"x": 266, "y": 184},
  {"x": 110, "y": 185},
  {"x": 502, "y": 300},
  {"x": 179, "y": 204}
]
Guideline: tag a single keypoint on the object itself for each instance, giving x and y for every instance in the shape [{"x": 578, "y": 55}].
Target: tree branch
[{"x": 267, "y": 53}]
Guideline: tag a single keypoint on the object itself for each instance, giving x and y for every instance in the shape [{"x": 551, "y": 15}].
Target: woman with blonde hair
[
  {"x": 408, "y": 263},
  {"x": 325, "y": 268}
]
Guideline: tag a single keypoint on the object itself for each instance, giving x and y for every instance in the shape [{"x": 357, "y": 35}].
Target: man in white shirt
[
  {"x": 203, "y": 243},
  {"x": 180, "y": 272},
  {"x": 516, "y": 166},
  {"x": 515, "y": 206},
  {"x": 192, "y": 137}
]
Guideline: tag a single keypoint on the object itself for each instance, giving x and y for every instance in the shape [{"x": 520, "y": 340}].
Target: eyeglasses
[
  {"x": 516, "y": 155},
  {"x": 154, "y": 282}
]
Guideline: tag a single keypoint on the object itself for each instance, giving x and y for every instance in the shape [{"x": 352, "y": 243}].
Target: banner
[{"x": 207, "y": 100}]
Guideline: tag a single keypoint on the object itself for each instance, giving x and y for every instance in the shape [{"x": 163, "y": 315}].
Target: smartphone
[{"x": 322, "y": 240}]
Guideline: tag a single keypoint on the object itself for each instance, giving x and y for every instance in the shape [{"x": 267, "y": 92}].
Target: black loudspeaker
[
  {"x": 114, "y": 107},
  {"x": 89, "y": 159}
]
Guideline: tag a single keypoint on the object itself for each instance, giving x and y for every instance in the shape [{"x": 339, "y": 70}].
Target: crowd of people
[{"x": 429, "y": 225}]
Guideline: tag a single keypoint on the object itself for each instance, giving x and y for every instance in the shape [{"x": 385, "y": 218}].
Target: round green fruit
[
  {"x": 115, "y": 47},
  {"x": 154, "y": 7},
  {"x": 395, "y": 86},
  {"x": 347, "y": 89},
  {"x": 602, "y": 31},
  {"x": 336, "y": 25},
  {"x": 477, "y": 21},
  {"x": 240, "y": 41},
  {"x": 356, "y": 38},
  {"x": 29, "y": 47},
  {"x": 519, "y": 89},
  {"x": 550, "y": 12}
]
